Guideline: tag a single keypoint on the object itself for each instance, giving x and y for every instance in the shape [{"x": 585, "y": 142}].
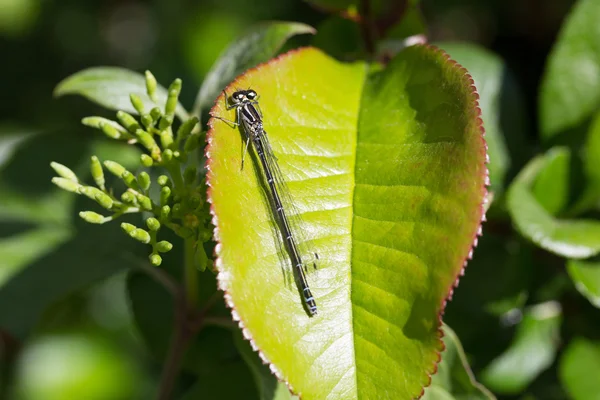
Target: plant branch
[
  {"x": 179, "y": 342},
  {"x": 190, "y": 273},
  {"x": 366, "y": 26}
]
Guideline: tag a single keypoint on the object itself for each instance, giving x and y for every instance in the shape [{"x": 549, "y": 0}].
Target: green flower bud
[
  {"x": 166, "y": 138},
  {"x": 153, "y": 224},
  {"x": 144, "y": 180},
  {"x": 173, "y": 96},
  {"x": 195, "y": 201},
  {"x": 111, "y": 132},
  {"x": 163, "y": 180},
  {"x": 177, "y": 210},
  {"x": 206, "y": 235},
  {"x": 99, "y": 123},
  {"x": 66, "y": 184},
  {"x": 92, "y": 217},
  {"x": 168, "y": 155},
  {"x": 165, "y": 122},
  {"x": 104, "y": 200},
  {"x": 189, "y": 175},
  {"x": 128, "y": 198},
  {"x": 155, "y": 259},
  {"x": 97, "y": 172},
  {"x": 147, "y": 141},
  {"x": 128, "y": 121},
  {"x": 146, "y": 160},
  {"x": 128, "y": 228},
  {"x": 165, "y": 211},
  {"x": 186, "y": 128},
  {"x": 115, "y": 168},
  {"x": 140, "y": 235},
  {"x": 155, "y": 113},
  {"x": 147, "y": 121},
  {"x": 64, "y": 171},
  {"x": 137, "y": 103},
  {"x": 165, "y": 193},
  {"x": 90, "y": 191},
  {"x": 163, "y": 246},
  {"x": 144, "y": 201},
  {"x": 192, "y": 142},
  {"x": 129, "y": 180},
  {"x": 151, "y": 86}
]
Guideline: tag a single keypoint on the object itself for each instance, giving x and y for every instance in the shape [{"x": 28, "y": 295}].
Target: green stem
[{"x": 191, "y": 274}]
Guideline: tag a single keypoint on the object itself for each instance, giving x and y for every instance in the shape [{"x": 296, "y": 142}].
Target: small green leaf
[
  {"x": 531, "y": 352},
  {"x": 255, "y": 46},
  {"x": 577, "y": 238},
  {"x": 579, "y": 369},
  {"x": 551, "y": 185},
  {"x": 586, "y": 277},
  {"x": 570, "y": 91},
  {"x": 389, "y": 174},
  {"x": 111, "y": 87},
  {"x": 454, "y": 378}
]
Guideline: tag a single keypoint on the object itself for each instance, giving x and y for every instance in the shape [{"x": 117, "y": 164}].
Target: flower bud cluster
[{"x": 180, "y": 201}]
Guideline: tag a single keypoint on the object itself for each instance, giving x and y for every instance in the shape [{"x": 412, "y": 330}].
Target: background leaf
[
  {"x": 585, "y": 274},
  {"x": 531, "y": 352},
  {"x": 257, "y": 45},
  {"x": 580, "y": 368},
  {"x": 454, "y": 378},
  {"x": 111, "y": 86},
  {"x": 269, "y": 387},
  {"x": 502, "y": 106},
  {"x": 574, "y": 238},
  {"x": 570, "y": 92},
  {"x": 368, "y": 169}
]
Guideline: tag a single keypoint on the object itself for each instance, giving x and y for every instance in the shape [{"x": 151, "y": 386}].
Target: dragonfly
[{"x": 249, "y": 117}]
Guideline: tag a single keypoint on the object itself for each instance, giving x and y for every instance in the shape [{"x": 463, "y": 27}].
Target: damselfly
[{"x": 250, "y": 118}]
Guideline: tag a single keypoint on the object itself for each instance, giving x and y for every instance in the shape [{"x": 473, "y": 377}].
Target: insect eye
[{"x": 251, "y": 94}]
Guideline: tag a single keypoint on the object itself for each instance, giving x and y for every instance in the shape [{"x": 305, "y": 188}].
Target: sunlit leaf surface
[{"x": 388, "y": 170}]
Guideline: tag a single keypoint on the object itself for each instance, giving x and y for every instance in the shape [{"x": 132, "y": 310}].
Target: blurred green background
[{"x": 44, "y": 41}]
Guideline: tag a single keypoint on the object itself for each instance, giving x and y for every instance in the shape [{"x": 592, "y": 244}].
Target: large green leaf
[
  {"x": 388, "y": 169},
  {"x": 454, "y": 378},
  {"x": 111, "y": 87},
  {"x": 501, "y": 105},
  {"x": 579, "y": 369},
  {"x": 531, "y": 352},
  {"x": 256, "y": 45},
  {"x": 574, "y": 238},
  {"x": 570, "y": 92}
]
